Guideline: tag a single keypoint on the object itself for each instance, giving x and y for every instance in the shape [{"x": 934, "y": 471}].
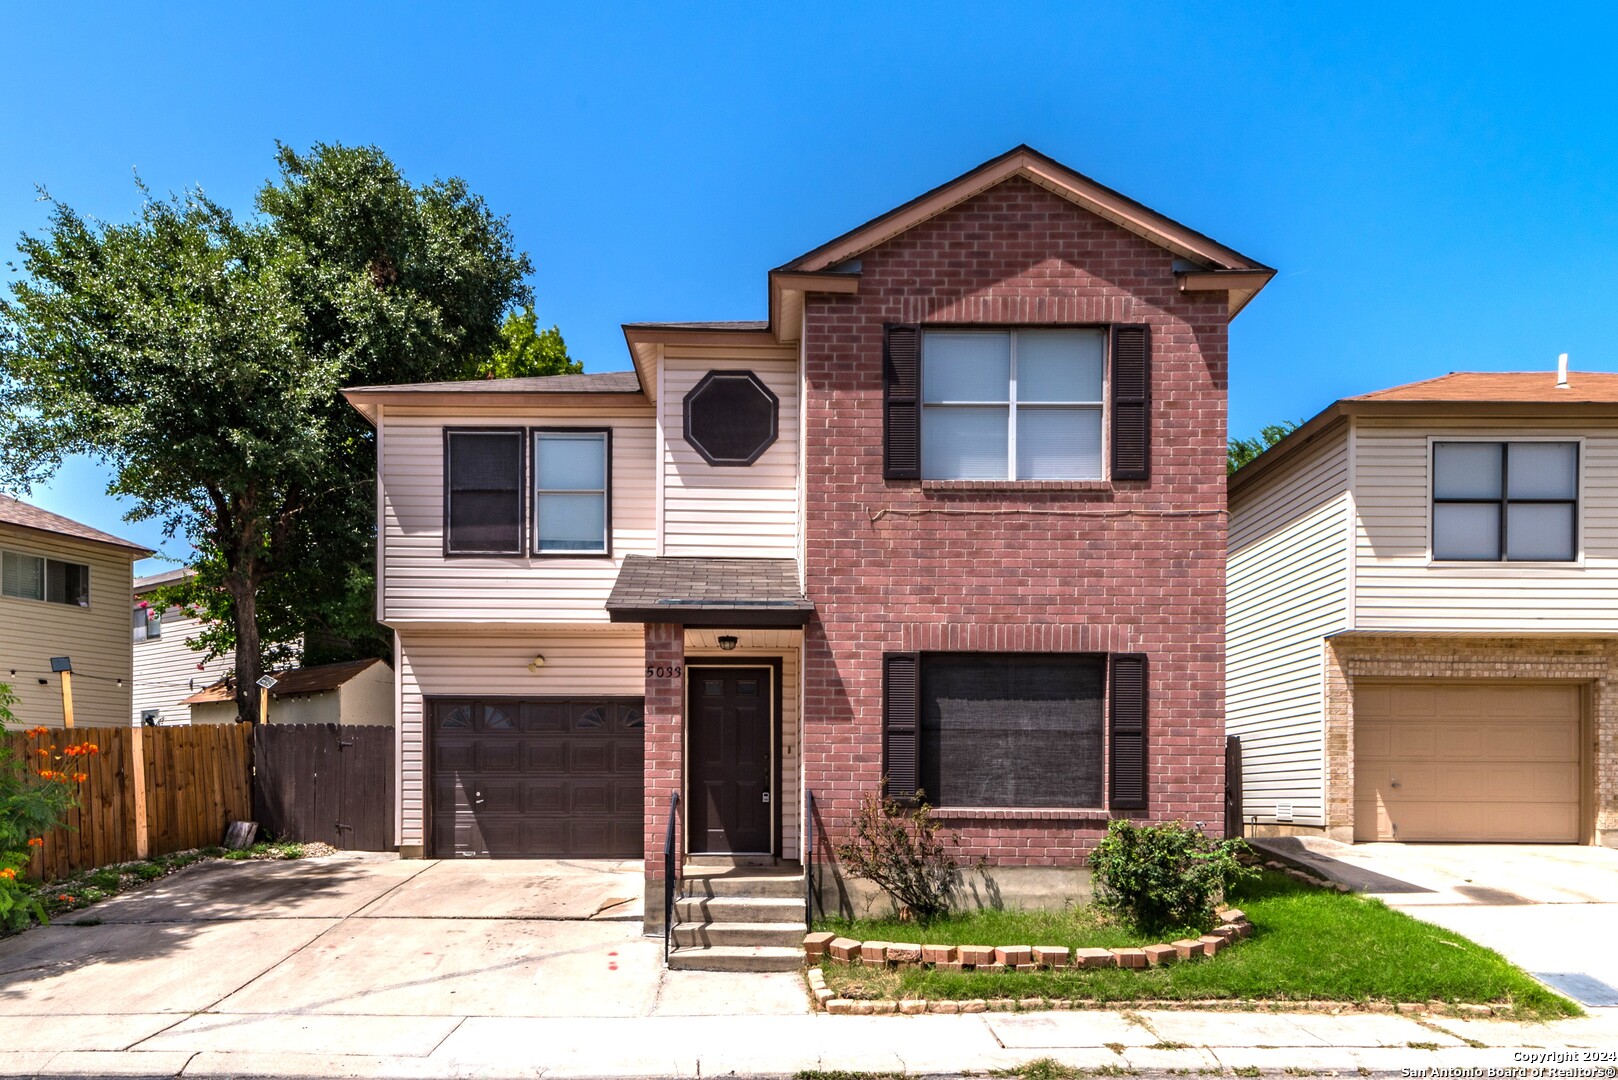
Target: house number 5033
[{"x": 672, "y": 672}]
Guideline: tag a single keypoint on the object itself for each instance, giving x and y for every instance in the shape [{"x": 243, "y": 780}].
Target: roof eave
[
  {"x": 1239, "y": 286},
  {"x": 134, "y": 551},
  {"x": 734, "y": 618}
]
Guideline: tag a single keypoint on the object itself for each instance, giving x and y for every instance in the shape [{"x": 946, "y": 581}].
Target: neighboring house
[
  {"x": 167, "y": 670},
  {"x": 64, "y": 592},
  {"x": 354, "y": 692},
  {"x": 952, "y": 516},
  {"x": 1423, "y": 594}
]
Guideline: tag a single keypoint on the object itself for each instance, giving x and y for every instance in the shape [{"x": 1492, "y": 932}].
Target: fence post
[{"x": 137, "y": 778}]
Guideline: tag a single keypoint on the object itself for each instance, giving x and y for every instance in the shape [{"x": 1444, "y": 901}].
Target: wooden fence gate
[{"x": 325, "y": 782}]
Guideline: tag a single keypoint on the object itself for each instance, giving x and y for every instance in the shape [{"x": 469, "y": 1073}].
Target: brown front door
[{"x": 729, "y": 752}]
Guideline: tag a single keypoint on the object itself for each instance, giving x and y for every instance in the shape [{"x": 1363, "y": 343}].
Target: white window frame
[
  {"x": 1012, "y": 405},
  {"x": 1503, "y": 564},
  {"x": 535, "y": 437}
]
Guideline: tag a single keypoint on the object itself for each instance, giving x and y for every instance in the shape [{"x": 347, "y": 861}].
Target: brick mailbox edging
[{"x": 1233, "y": 926}]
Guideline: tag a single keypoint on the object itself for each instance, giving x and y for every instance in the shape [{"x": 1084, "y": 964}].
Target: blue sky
[{"x": 1437, "y": 184}]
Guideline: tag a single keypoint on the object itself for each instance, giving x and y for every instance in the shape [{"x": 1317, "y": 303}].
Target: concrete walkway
[{"x": 368, "y": 966}]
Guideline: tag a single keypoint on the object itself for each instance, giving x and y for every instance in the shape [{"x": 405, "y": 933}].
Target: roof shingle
[
  {"x": 16, "y": 512},
  {"x": 307, "y": 680},
  {"x": 1502, "y": 386},
  {"x": 709, "y": 592},
  {"x": 600, "y": 382}
]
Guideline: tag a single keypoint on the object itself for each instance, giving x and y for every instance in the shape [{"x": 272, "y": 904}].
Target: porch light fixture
[
  {"x": 727, "y": 642},
  {"x": 536, "y": 663}
]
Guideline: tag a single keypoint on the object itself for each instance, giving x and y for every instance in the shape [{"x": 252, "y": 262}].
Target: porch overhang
[{"x": 737, "y": 593}]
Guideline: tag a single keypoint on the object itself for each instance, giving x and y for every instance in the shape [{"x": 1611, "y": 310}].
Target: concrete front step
[
  {"x": 741, "y": 881},
  {"x": 738, "y": 909},
  {"x": 736, "y": 958},
  {"x": 786, "y": 935}
]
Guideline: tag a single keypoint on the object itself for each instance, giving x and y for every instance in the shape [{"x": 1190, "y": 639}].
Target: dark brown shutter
[
  {"x": 901, "y": 401},
  {"x": 1131, "y": 403},
  {"x": 901, "y": 703},
  {"x": 1127, "y": 744}
]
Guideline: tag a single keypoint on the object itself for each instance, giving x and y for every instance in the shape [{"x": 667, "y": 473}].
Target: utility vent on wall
[{"x": 1283, "y": 812}]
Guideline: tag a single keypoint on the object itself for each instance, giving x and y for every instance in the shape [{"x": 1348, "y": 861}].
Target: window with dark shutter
[
  {"x": 901, "y": 681},
  {"x": 1128, "y": 718},
  {"x": 1131, "y": 403},
  {"x": 1011, "y": 729},
  {"x": 901, "y": 376},
  {"x": 483, "y": 492}
]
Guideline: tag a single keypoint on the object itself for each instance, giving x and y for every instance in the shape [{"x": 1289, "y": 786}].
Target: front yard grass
[{"x": 1308, "y": 944}]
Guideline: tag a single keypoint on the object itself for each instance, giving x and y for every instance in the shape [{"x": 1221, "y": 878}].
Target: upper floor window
[
  {"x": 572, "y": 498},
  {"x": 34, "y": 577},
  {"x": 148, "y": 622},
  {"x": 1012, "y": 404},
  {"x": 483, "y": 491},
  {"x": 1506, "y": 501}
]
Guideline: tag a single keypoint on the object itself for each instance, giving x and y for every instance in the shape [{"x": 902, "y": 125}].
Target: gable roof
[
  {"x": 1048, "y": 173},
  {"x": 306, "y": 680},
  {"x": 24, "y": 515},
  {"x": 1482, "y": 395}
]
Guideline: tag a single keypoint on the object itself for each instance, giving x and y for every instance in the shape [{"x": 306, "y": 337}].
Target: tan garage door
[{"x": 1461, "y": 762}]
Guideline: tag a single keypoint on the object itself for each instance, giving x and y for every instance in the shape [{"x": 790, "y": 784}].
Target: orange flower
[
  {"x": 46, "y": 773},
  {"x": 36, "y": 842},
  {"x": 94, "y": 749},
  {"x": 8, "y": 873},
  {"x": 43, "y": 751},
  {"x": 37, "y": 731},
  {"x": 65, "y": 898},
  {"x": 79, "y": 778}
]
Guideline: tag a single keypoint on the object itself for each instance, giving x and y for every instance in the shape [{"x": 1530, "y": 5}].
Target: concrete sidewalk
[
  {"x": 372, "y": 967},
  {"x": 1195, "y": 1043}
]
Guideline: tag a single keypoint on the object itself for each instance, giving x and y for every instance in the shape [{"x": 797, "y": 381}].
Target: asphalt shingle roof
[
  {"x": 601, "y": 382},
  {"x": 307, "y": 680},
  {"x": 675, "y": 589},
  {"x": 16, "y": 512}
]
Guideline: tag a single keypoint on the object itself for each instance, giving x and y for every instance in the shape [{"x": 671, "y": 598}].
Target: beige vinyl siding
[
  {"x": 98, "y": 639},
  {"x": 1397, "y": 586},
  {"x": 785, "y": 645},
  {"x": 1287, "y": 587},
  {"x": 167, "y": 672},
  {"x": 423, "y": 585},
  {"x": 748, "y": 511},
  {"x": 465, "y": 662}
]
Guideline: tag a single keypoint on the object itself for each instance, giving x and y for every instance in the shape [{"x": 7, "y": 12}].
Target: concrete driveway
[
  {"x": 356, "y": 954},
  {"x": 1547, "y": 907}
]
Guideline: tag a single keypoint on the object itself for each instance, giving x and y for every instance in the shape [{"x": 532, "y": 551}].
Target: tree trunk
[{"x": 248, "y": 666}]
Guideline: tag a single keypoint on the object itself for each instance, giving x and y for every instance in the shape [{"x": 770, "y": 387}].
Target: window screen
[
  {"x": 483, "y": 503},
  {"x": 1496, "y": 501},
  {"x": 570, "y": 492},
  {"x": 1012, "y": 405},
  {"x": 22, "y": 576},
  {"x": 1012, "y": 730}
]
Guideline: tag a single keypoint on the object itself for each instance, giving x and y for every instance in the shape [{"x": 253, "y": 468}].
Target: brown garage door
[
  {"x": 537, "y": 778},
  {"x": 1467, "y": 762}
]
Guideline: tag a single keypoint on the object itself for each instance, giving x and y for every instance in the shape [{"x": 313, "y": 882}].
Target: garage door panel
[
  {"x": 1467, "y": 763},
  {"x": 537, "y": 779}
]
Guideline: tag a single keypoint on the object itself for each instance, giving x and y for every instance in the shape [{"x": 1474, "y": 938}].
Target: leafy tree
[
  {"x": 525, "y": 350},
  {"x": 1240, "y": 451},
  {"x": 200, "y": 357}
]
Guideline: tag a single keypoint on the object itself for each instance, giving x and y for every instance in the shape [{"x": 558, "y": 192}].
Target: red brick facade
[
  {"x": 906, "y": 565},
  {"x": 665, "y": 742}
]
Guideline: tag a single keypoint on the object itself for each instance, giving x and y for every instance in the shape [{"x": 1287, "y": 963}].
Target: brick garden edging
[{"x": 1233, "y": 926}]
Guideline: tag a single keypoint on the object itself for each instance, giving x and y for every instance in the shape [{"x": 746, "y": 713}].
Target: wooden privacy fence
[
  {"x": 325, "y": 782},
  {"x": 149, "y": 791}
]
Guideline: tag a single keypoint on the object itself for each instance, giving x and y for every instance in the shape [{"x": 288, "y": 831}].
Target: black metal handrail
[
  {"x": 809, "y": 860},
  {"x": 668, "y": 875}
]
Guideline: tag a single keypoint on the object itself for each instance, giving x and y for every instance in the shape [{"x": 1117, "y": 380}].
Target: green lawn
[{"x": 1308, "y": 944}]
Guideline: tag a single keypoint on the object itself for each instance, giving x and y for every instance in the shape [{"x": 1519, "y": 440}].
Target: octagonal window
[{"x": 731, "y": 417}]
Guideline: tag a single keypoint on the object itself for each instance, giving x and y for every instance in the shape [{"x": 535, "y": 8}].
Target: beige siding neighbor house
[
  {"x": 1423, "y": 615},
  {"x": 64, "y": 592},
  {"x": 167, "y": 669},
  {"x": 353, "y": 692}
]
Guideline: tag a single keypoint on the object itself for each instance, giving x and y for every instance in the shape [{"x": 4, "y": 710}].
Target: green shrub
[
  {"x": 149, "y": 871},
  {"x": 36, "y": 792},
  {"x": 1167, "y": 876},
  {"x": 902, "y": 852}
]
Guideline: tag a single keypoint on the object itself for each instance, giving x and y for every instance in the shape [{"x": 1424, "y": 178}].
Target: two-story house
[
  {"x": 167, "y": 670},
  {"x": 1423, "y": 590},
  {"x": 952, "y": 518},
  {"x": 64, "y": 599}
]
